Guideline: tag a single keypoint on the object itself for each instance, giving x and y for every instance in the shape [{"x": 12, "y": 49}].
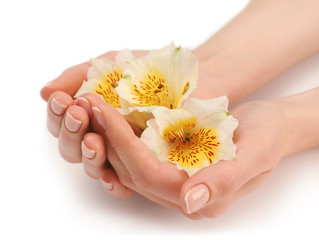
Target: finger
[
  {"x": 73, "y": 129},
  {"x": 252, "y": 184},
  {"x": 222, "y": 205},
  {"x": 113, "y": 186},
  {"x": 123, "y": 178},
  {"x": 82, "y": 102},
  {"x": 146, "y": 171},
  {"x": 219, "y": 181},
  {"x": 93, "y": 155},
  {"x": 57, "y": 105},
  {"x": 72, "y": 78}
]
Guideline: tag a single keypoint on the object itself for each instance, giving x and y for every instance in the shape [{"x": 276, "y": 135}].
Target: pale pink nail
[
  {"x": 57, "y": 108},
  {"x": 48, "y": 84},
  {"x": 88, "y": 153},
  {"x": 99, "y": 117},
  {"x": 106, "y": 185},
  {"x": 196, "y": 198},
  {"x": 80, "y": 101},
  {"x": 72, "y": 124}
]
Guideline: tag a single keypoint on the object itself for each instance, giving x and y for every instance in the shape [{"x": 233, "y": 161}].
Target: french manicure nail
[
  {"x": 196, "y": 198},
  {"x": 83, "y": 102},
  {"x": 48, "y": 84},
  {"x": 99, "y": 117},
  {"x": 57, "y": 108},
  {"x": 106, "y": 185},
  {"x": 88, "y": 153},
  {"x": 72, "y": 124}
]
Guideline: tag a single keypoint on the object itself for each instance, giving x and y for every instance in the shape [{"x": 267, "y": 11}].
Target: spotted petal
[
  {"x": 164, "y": 78},
  {"x": 103, "y": 77},
  {"x": 194, "y": 141},
  {"x": 179, "y": 67}
]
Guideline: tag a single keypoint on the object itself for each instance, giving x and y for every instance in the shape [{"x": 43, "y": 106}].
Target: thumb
[{"x": 213, "y": 183}]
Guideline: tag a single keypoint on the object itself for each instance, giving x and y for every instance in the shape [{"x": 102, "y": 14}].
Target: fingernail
[
  {"x": 80, "y": 101},
  {"x": 106, "y": 185},
  {"x": 57, "y": 108},
  {"x": 99, "y": 117},
  {"x": 72, "y": 124},
  {"x": 88, "y": 153},
  {"x": 196, "y": 198},
  {"x": 48, "y": 84}
]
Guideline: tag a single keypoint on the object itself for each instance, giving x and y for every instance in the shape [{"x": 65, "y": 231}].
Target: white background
[{"x": 43, "y": 197}]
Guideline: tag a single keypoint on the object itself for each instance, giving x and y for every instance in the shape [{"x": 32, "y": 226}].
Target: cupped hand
[
  {"x": 211, "y": 191},
  {"x": 70, "y": 122}
]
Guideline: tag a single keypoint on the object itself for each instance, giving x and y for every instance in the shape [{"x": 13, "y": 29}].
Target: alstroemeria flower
[
  {"x": 165, "y": 78},
  {"x": 104, "y": 75},
  {"x": 195, "y": 136}
]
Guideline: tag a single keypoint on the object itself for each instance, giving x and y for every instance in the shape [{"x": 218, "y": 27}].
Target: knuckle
[
  {"x": 141, "y": 182},
  {"x": 226, "y": 184}
]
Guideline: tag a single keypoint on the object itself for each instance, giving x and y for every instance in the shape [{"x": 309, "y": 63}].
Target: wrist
[
  {"x": 301, "y": 113},
  {"x": 226, "y": 74}
]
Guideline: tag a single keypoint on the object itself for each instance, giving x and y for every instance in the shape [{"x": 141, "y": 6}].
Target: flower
[
  {"x": 103, "y": 76},
  {"x": 165, "y": 78},
  {"x": 195, "y": 136}
]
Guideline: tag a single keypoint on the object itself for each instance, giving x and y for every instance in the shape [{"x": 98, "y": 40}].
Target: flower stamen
[{"x": 186, "y": 87}]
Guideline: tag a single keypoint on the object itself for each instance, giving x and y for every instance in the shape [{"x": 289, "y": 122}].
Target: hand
[
  {"x": 259, "y": 137},
  {"x": 71, "y": 123}
]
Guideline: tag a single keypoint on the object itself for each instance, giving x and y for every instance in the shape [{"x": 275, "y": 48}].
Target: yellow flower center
[
  {"x": 106, "y": 87},
  {"x": 153, "y": 90},
  {"x": 191, "y": 148}
]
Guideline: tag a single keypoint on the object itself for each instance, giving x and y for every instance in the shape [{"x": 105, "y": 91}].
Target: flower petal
[
  {"x": 155, "y": 142},
  {"x": 179, "y": 67},
  {"x": 103, "y": 77},
  {"x": 200, "y": 150},
  {"x": 123, "y": 57},
  {"x": 87, "y": 87},
  {"x": 99, "y": 67},
  {"x": 143, "y": 85},
  {"x": 173, "y": 119},
  {"x": 210, "y": 113}
]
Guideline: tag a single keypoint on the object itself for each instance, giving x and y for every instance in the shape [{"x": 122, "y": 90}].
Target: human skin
[
  {"x": 268, "y": 131},
  {"x": 243, "y": 56}
]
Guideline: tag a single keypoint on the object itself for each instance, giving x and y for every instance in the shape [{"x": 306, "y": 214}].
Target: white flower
[
  {"x": 165, "y": 77},
  {"x": 103, "y": 76},
  {"x": 195, "y": 136}
]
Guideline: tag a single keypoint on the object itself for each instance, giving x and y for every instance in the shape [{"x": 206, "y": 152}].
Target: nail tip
[
  {"x": 196, "y": 198},
  {"x": 87, "y": 152},
  {"x": 99, "y": 117},
  {"x": 72, "y": 124},
  {"x": 186, "y": 203},
  {"x": 81, "y": 99},
  {"x": 106, "y": 185},
  {"x": 57, "y": 107}
]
